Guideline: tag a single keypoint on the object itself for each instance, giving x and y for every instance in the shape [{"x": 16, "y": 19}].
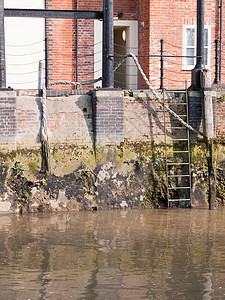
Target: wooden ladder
[{"x": 177, "y": 150}]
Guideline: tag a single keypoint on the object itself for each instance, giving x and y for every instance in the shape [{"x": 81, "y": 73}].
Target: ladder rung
[
  {"x": 174, "y": 91},
  {"x": 177, "y": 164},
  {"x": 176, "y": 151},
  {"x": 179, "y": 188},
  {"x": 178, "y": 175},
  {"x": 170, "y": 123},
  {"x": 179, "y": 139},
  {"x": 176, "y": 128},
  {"x": 170, "y": 200},
  {"x": 172, "y": 103},
  {"x": 175, "y": 117}
]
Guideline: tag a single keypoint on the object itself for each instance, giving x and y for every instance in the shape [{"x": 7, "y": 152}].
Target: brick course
[
  {"x": 220, "y": 119},
  {"x": 108, "y": 117},
  {"x": 8, "y": 125}
]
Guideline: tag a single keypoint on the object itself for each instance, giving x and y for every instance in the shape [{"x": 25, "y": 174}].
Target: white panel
[
  {"x": 24, "y": 38},
  {"x": 97, "y": 52},
  {"x": 24, "y": 4}
]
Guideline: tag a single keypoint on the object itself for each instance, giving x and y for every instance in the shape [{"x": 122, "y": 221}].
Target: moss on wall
[{"x": 131, "y": 175}]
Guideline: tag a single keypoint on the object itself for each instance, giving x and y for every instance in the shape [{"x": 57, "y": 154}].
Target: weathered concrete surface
[
  {"x": 69, "y": 120},
  {"x": 119, "y": 177},
  {"x": 113, "y": 179}
]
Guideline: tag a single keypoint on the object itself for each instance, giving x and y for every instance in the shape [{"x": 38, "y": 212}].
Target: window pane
[
  {"x": 190, "y": 36},
  {"x": 190, "y": 60},
  {"x": 206, "y": 37},
  {"x": 206, "y": 56}
]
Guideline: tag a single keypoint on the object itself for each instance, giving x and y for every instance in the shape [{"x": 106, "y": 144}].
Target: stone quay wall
[{"x": 102, "y": 145}]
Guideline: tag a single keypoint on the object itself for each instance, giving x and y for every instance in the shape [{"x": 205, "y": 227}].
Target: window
[{"x": 189, "y": 46}]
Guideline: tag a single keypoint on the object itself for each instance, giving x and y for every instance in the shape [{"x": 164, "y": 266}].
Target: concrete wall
[
  {"x": 72, "y": 120},
  {"x": 77, "y": 120},
  {"x": 143, "y": 119},
  {"x": 69, "y": 120}
]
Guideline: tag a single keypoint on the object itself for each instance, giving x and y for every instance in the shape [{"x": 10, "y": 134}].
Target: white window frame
[{"x": 185, "y": 27}]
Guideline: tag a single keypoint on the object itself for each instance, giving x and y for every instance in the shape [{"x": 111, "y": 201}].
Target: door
[{"x": 125, "y": 40}]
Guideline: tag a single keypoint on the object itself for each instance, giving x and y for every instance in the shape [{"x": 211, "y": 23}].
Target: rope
[
  {"x": 91, "y": 81},
  {"x": 45, "y": 147},
  {"x": 156, "y": 95},
  {"x": 45, "y": 165},
  {"x": 63, "y": 82},
  {"x": 75, "y": 83},
  {"x": 44, "y": 129},
  {"x": 120, "y": 62}
]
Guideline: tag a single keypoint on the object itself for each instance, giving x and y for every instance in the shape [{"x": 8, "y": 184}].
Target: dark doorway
[{"x": 120, "y": 49}]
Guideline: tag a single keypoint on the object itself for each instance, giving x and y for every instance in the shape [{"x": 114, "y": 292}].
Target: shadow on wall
[
  {"x": 85, "y": 105},
  {"x": 39, "y": 105},
  {"x": 144, "y": 119}
]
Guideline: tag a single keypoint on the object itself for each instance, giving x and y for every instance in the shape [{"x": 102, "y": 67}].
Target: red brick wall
[
  {"x": 220, "y": 118},
  {"x": 62, "y": 39},
  {"x": 166, "y": 19},
  {"x": 144, "y": 38},
  {"x": 128, "y": 7},
  {"x": 61, "y": 36},
  {"x": 157, "y": 20}
]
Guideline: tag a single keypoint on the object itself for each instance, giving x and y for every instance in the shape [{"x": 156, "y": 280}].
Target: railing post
[
  {"x": 2, "y": 47},
  {"x": 200, "y": 64},
  {"x": 107, "y": 68},
  {"x": 216, "y": 61},
  {"x": 46, "y": 63},
  {"x": 221, "y": 36},
  {"x": 161, "y": 64},
  {"x": 40, "y": 76},
  {"x": 77, "y": 37}
]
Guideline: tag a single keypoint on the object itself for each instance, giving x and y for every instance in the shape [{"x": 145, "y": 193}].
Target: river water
[{"x": 129, "y": 254}]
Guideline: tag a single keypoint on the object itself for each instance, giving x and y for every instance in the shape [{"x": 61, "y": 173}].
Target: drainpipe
[
  {"x": 200, "y": 65},
  {"x": 107, "y": 66},
  {"x": 2, "y": 47},
  {"x": 221, "y": 27}
]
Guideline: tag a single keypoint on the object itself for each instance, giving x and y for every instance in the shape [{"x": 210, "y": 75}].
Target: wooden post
[
  {"x": 207, "y": 107},
  {"x": 211, "y": 172},
  {"x": 209, "y": 134}
]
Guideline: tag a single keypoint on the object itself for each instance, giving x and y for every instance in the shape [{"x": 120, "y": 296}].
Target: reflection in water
[{"x": 130, "y": 254}]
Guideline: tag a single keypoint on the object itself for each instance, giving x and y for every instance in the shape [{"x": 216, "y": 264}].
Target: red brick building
[{"x": 139, "y": 25}]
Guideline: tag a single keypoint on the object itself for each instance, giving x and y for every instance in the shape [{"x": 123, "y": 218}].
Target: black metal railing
[{"x": 164, "y": 64}]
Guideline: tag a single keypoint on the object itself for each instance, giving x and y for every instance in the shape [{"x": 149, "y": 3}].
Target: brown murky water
[{"x": 133, "y": 254}]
